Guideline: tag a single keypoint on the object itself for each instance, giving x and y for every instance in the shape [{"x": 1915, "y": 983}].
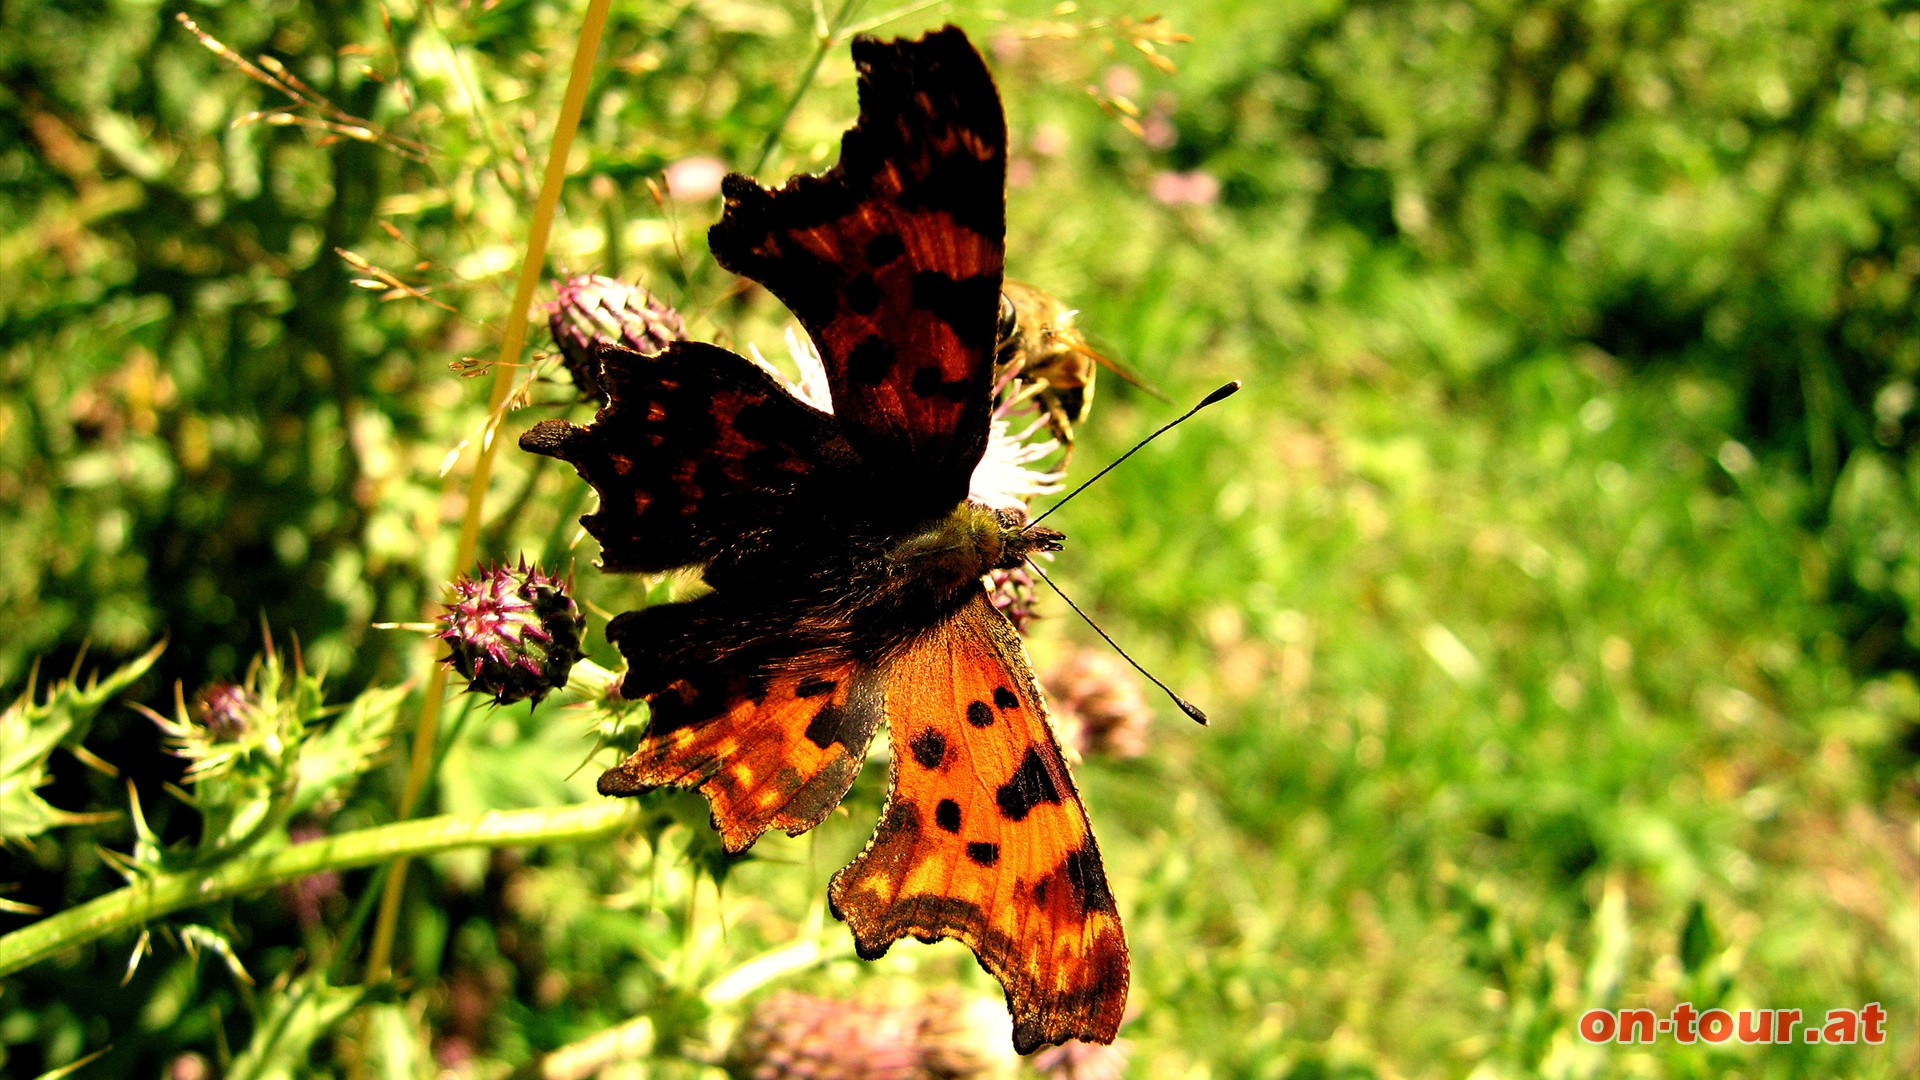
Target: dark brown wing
[
  {"x": 985, "y": 839},
  {"x": 892, "y": 262},
  {"x": 701, "y": 457}
]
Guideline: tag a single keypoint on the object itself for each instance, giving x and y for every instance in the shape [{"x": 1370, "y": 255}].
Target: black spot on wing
[
  {"x": 983, "y": 853},
  {"x": 863, "y": 295},
  {"x": 929, "y": 748},
  {"x": 686, "y": 703},
  {"x": 883, "y": 249},
  {"x": 979, "y": 715},
  {"x": 1004, "y": 697},
  {"x": 927, "y": 383},
  {"x": 833, "y": 724},
  {"x": 1089, "y": 878},
  {"x": 970, "y": 305},
  {"x": 958, "y": 188},
  {"x": 1030, "y": 786},
  {"x": 871, "y": 361},
  {"x": 761, "y": 420},
  {"x": 947, "y": 815},
  {"x": 815, "y": 687},
  {"x": 764, "y": 462}
]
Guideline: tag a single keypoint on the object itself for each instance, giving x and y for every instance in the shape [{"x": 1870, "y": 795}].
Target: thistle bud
[
  {"x": 225, "y": 710},
  {"x": 593, "y": 310},
  {"x": 513, "y": 633},
  {"x": 1099, "y": 705}
]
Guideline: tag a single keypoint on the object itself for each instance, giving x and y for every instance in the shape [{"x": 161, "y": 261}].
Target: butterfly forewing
[
  {"x": 985, "y": 838},
  {"x": 700, "y": 456},
  {"x": 892, "y": 261}
]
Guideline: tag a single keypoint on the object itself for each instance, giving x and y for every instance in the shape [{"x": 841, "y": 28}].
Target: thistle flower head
[
  {"x": 1011, "y": 473},
  {"x": 591, "y": 310},
  {"x": 792, "y": 1036},
  {"x": 1078, "y": 1060},
  {"x": 1099, "y": 705},
  {"x": 1012, "y": 592},
  {"x": 512, "y": 632}
]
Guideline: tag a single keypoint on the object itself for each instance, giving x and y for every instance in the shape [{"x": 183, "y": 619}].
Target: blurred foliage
[{"x": 1552, "y": 585}]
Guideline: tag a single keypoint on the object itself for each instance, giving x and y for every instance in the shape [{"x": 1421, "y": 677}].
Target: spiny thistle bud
[
  {"x": 514, "y": 632},
  {"x": 1099, "y": 706},
  {"x": 593, "y": 310},
  {"x": 793, "y": 1036},
  {"x": 225, "y": 710}
]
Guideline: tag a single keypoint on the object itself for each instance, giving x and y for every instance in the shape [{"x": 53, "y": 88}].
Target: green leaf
[
  {"x": 31, "y": 730},
  {"x": 330, "y": 761},
  {"x": 296, "y": 1018}
]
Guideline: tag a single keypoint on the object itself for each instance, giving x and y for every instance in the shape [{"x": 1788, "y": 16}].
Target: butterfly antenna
[
  {"x": 1186, "y": 706},
  {"x": 1221, "y": 394}
]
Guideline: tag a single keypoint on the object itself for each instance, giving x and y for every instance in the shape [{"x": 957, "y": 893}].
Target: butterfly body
[
  {"x": 845, "y": 559},
  {"x": 967, "y": 543}
]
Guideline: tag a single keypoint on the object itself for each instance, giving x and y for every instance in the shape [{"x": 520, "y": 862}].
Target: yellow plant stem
[{"x": 513, "y": 339}]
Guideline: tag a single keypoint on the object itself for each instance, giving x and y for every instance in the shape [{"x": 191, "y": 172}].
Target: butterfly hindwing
[
  {"x": 699, "y": 456},
  {"x": 892, "y": 261},
  {"x": 985, "y": 838},
  {"x": 769, "y": 751}
]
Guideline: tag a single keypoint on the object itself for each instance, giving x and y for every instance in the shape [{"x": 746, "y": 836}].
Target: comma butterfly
[{"x": 845, "y": 560}]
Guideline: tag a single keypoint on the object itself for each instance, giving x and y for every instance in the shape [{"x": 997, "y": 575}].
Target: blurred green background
[{"x": 1552, "y": 584}]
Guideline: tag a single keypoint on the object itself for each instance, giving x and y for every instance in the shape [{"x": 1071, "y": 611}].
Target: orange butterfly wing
[
  {"x": 985, "y": 838},
  {"x": 776, "y": 752}
]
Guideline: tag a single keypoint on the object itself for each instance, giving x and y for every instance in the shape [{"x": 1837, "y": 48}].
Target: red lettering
[
  {"x": 1597, "y": 1026},
  {"x": 1683, "y": 1016},
  {"x": 1843, "y": 1026},
  {"x": 1784, "y": 1021},
  {"x": 1716, "y": 1025},
  {"x": 1756, "y": 1025},
  {"x": 1636, "y": 1025},
  {"x": 1873, "y": 1016}
]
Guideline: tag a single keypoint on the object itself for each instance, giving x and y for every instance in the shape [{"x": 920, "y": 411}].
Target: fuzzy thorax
[{"x": 969, "y": 542}]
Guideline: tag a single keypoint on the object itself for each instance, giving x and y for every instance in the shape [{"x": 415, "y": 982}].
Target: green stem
[
  {"x": 162, "y": 894},
  {"x": 827, "y": 41}
]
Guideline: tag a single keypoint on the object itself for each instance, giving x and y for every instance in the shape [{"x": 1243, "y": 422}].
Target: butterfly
[{"x": 845, "y": 562}]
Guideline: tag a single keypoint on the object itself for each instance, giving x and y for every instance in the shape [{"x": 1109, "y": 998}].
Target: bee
[{"x": 1046, "y": 357}]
